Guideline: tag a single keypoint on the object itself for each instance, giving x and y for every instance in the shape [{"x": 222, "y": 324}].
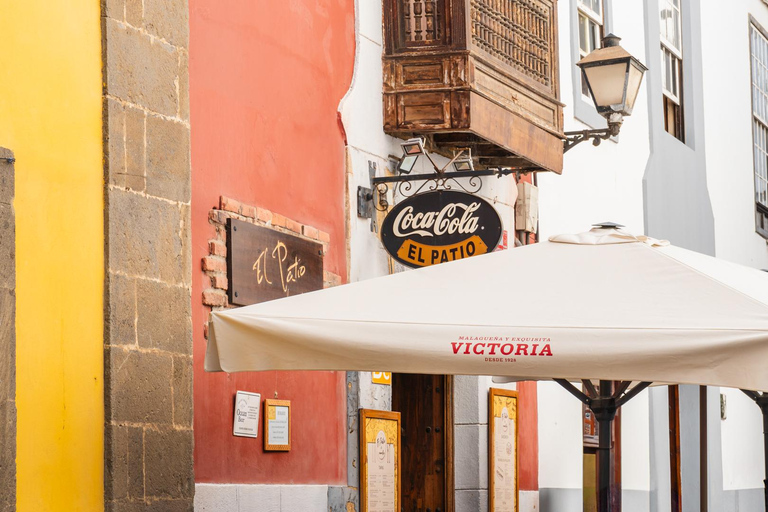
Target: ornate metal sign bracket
[{"x": 408, "y": 185}]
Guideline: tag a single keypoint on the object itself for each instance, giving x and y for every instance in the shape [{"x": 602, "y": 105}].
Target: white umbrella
[{"x": 600, "y": 305}]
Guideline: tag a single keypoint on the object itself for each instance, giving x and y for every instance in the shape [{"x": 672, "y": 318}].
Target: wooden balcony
[{"x": 475, "y": 73}]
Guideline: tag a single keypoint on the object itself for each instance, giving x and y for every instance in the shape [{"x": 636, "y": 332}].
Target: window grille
[{"x": 517, "y": 32}]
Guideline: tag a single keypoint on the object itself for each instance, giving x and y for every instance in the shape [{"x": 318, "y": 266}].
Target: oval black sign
[{"x": 440, "y": 226}]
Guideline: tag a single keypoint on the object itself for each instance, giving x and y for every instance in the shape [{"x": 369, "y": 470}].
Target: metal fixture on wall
[{"x": 613, "y": 76}]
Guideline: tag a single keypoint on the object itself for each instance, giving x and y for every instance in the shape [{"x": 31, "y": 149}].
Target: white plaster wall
[
  {"x": 560, "y": 438},
  {"x": 599, "y": 183},
  {"x": 728, "y": 128},
  {"x": 742, "y": 442},
  {"x": 730, "y": 179},
  {"x": 635, "y": 448}
]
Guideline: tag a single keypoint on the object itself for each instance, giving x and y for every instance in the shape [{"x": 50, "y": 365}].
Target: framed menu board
[
  {"x": 380, "y": 461},
  {"x": 502, "y": 444},
  {"x": 277, "y": 425}
]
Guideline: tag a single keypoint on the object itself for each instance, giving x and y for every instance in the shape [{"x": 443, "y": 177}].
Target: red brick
[
  {"x": 278, "y": 220},
  {"x": 214, "y": 264},
  {"x": 205, "y": 330},
  {"x": 324, "y": 237},
  {"x": 330, "y": 279},
  {"x": 249, "y": 211},
  {"x": 214, "y": 298},
  {"x": 230, "y": 205},
  {"x": 292, "y": 225},
  {"x": 219, "y": 282},
  {"x": 310, "y": 232},
  {"x": 217, "y": 248},
  {"x": 206, "y": 279},
  {"x": 264, "y": 215}
]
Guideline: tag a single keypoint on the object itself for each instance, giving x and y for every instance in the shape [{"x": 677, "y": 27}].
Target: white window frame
[
  {"x": 759, "y": 89},
  {"x": 582, "y": 9},
  {"x": 676, "y": 53}
]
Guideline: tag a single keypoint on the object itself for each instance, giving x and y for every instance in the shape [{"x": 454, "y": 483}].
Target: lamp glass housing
[
  {"x": 613, "y": 76},
  {"x": 463, "y": 165},
  {"x": 413, "y": 147},
  {"x": 407, "y": 163}
]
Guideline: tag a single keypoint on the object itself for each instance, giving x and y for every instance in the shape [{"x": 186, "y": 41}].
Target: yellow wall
[{"x": 50, "y": 116}]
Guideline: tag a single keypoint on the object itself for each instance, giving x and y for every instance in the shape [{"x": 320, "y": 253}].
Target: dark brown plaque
[{"x": 264, "y": 264}]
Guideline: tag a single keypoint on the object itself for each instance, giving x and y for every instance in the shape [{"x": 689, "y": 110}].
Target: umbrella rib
[
  {"x": 632, "y": 393},
  {"x": 574, "y": 391}
]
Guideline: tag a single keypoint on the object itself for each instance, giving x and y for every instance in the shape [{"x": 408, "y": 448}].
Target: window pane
[
  {"x": 759, "y": 50},
  {"x": 583, "y": 33}
]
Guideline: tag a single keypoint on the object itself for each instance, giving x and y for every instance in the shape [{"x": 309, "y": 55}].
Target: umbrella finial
[{"x": 607, "y": 225}]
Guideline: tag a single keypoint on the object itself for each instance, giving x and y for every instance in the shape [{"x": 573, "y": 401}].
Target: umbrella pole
[{"x": 604, "y": 408}]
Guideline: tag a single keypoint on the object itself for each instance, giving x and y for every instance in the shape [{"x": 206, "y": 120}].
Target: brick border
[
  {"x": 214, "y": 265},
  {"x": 7, "y": 333}
]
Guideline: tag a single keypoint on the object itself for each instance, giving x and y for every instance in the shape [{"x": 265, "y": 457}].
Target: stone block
[
  {"x": 7, "y": 456},
  {"x": 164, "y": 319},
  {"x": 259, "y": 498},
  {"x": 168, "y": 463},
  {"x": 7, "y": 247},
  {"x": 307, "y": 498},
  {"x": 182, "y": 391},
  {"x": 341, "y": 498},
  {"x": 141, "y": 70},
  {"x": 121, "y": 326},
  {"x": 167, "y": 505},
  {"x": 135, "y": 154},
  {"x": 215, "y": 497},
  {"x": 168, "y": 167},
  {"x": 124, "y": 453},
  {"x": 471, "y": 456},
  {"x": 134, "y": 12},
  {"x": 185, "y": 212},
  {"x": 466, "y": 398},
  {"x": 7, "y": 345},
  {"x": 168, "y": 20},
  {"x": 114, "y": 141},
  {"x": 7, "y": 177},
  {"x": 114, "y": 9},
  {"x": 144, "y": 238},
  {"x": 139, "y": 387},
  {"x": 471, "y": 500},
  {"x": 183, "y": 85}
]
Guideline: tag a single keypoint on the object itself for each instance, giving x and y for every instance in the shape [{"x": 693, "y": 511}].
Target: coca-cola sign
[{"x": 441, "y": 226}]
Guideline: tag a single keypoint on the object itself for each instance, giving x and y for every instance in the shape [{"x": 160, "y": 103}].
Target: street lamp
[{"x": 613, "y": 76}]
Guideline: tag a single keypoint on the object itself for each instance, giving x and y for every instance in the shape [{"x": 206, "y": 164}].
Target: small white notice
[{"x": 247, "y": 406}]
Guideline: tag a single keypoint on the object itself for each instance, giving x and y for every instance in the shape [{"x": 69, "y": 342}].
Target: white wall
[
  {"x": 635, "y": 434},
  {"x": 728, "y": 128},
  {"x": 599, "y": 183},
  {"x": 742, "y": 442},
  {"x": 560, "y": 438}
]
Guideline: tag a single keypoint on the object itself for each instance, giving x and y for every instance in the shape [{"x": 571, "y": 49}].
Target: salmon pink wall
[
  {"x": 266, "y": 78},
  {"x": 528, "y": 436}
]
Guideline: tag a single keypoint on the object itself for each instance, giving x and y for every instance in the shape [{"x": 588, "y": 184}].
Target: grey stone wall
[
  {"x": 148, "y": 332},
  {"x": 7, "y": 334}
]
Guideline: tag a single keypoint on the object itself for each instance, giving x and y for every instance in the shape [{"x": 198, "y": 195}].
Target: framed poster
[
  {"x": 502, "y": 445},
  {"x": 247, "y": 407},
  {"x": 277, "y": 425},
  {"x": 380, "y": 461}
]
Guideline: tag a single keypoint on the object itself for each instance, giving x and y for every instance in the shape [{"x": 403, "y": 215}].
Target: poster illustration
[
  {"x": 503, "y": 451},
  {"x": 380, "y": 478}
]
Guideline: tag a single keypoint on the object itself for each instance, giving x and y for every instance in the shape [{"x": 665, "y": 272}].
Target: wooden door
[{"x": 425, "y": 405}]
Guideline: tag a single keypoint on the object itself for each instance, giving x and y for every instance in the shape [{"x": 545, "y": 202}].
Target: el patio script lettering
[{"x": 290, "y": 271}]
